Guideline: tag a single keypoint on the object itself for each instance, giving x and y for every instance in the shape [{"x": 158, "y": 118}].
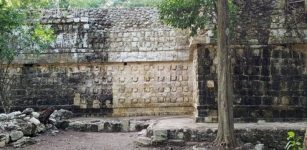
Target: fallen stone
[
  {"x": 2, "y": 143},
  {"x": 28, "y": 128},
  {"x": 77, "y": 126},
  {"x": 5, "y": 136},
  {"x": 52, "y": 120},
  {"x": 143, "y": 141},
  {"x": 62, "y": 124},
  {"x": 26, "y": 118},
  {"x": 40, "y": 128},
  {"x": 35, "y": 115},
  {"x": 54, "y": 132},
  {"x": 24, "y": 141},
  {"x": 159, "y": 136},
  {"x": 180, "y": 135},
  {"x": 3, "y": 139},
  {"x": 112, "y": 126},
  {"x": 136, "y": 125},
  {"x": 125, "y": 125},
  {"x": 259, "y": 147},
  {"x": 61, "y": 114},
  {"x": 3, "y": 117},
  {"x": 16, "y": 135},
  {"x": 28, "y": 111},
  {"x": 95, "y": 127},
  {"x": 20, "y": 116},
  {"x": 140, "y": 126},
  {"x": 35, "y": 121},
  {"x": 142, "y": 133},
  {"x": 50, "y": 127},
  {"x": 11, "y": 126},
  {"x": 12, "y": 115}
]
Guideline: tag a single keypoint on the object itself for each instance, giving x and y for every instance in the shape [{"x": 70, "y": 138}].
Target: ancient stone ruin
[{"x": 125, "y": 62}]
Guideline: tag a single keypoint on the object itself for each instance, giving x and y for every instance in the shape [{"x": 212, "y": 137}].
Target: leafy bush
[{"x": 294, "y": 142}]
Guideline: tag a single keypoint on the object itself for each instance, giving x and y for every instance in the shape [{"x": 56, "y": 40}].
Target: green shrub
[{"x": 294, "y": 142}]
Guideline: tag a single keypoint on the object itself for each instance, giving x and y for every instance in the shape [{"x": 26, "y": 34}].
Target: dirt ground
[{"x": 70, "y": 140}]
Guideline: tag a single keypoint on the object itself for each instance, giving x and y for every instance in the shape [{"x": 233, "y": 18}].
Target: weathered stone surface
[
  {"x": 16, "y": 135},
  {"x": 112, "y": 126},
  {"x": 125, "y": 125},
  {"x": 3, "y": 117},
  {"x": 143, "y": 132},
  {"x": 28, "y": 128},
  {"x": 61, "y": 114},
  {"x": 137, "y": 125},
  {"x": 4, "y": 138},
  {"x": 9, "y": 126},
  {"x": 34, "y": 121},
  {"x": 125, "y": 62},
  {"x": 2, "y": 143},
  {"x": 259, "y": 147},
  {"x": 24, "y": 141},
  {"x": 159, "y": 136},
  {"x": 12, "y": 115},
  {"x": 62, "y": 124},
  {"x": 28, "y": 111},
  {"x": 40, "y": 128},
  {"x": 267, "y": 79},
  {"x": 77, "y": 126},
  {"x": 35, "y": 115},
  {"x": 143, "y": 141}
]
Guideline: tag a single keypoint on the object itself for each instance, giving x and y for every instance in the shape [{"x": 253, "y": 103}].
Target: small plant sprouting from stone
[{"x": 294, "y": 142}]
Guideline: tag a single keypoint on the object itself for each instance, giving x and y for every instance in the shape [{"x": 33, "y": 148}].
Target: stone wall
[
  {"x": 125, "y": 62},
  {"x": 120, "y": 62},
  {"x": 269, "y": 83},
  {"x": 268, "y": 60},
  {"x": 110, "y": 35}
]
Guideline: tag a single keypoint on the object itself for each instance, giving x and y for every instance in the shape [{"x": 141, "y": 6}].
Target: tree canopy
[
  {"x": 20, "y": 32},
  {"x": 19, "y": 29},
  {"x": 192, "y": 14}
]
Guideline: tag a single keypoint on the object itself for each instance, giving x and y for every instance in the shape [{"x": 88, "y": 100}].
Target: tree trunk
[
  {"x": 305, "y": 141},
  {"x": 225, "y": 135}
]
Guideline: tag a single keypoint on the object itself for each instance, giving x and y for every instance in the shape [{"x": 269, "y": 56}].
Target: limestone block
[
  {"x": 16, "y": 135},
  {"x": 83, "y": 104},
  {"x": 77, "y": 99},
  {"x": 108, "y": 104},
  {"x": 159, "y": 136},
  {"x": 210, "y": 84},
  {"x": 86, "y": 26},
  {"x": 96, "y": 104},
  {"x": 84, "y": 19}
]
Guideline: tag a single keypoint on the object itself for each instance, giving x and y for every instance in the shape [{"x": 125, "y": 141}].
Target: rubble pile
[{"x": 19, "y": 128}]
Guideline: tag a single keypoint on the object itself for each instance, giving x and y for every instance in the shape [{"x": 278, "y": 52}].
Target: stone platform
[
  {"x": 179, "y": 130},
  {"x": 183, "y": 129}
]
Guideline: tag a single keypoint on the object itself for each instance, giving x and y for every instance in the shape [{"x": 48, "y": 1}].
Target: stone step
[{"x": 108, "y": 125}]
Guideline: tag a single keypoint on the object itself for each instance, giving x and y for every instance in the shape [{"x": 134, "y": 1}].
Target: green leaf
[{"x": 291, "y": 134}]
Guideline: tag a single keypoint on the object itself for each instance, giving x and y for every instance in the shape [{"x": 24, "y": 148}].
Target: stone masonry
[
  {"x": 268, "y": 61},
  {"x": 120, "y": 62},
  {"x": 125, "y": 62}
]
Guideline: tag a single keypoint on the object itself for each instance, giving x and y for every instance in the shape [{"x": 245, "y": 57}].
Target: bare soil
[{"x": 70, "y": 140}]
